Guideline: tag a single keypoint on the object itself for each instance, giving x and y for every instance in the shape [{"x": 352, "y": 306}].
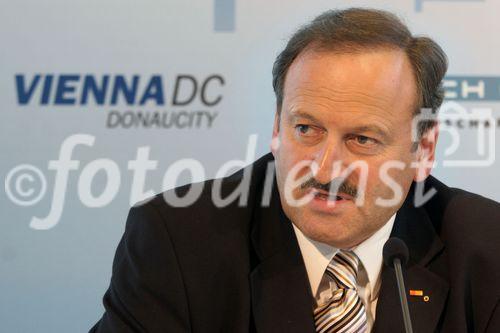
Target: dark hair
[{"x": 357, "y": 29}]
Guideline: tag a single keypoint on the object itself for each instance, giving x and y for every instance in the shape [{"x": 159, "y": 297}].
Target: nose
[{"x": 329, "y": 161}]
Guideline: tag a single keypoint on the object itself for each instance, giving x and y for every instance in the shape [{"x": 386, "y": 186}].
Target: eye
[
  {"x": 308, "y": 133},
  {"x": 363, "y": 144},
  {"x": 303, "y": 129},
  {"x": 364, "y": 140}
]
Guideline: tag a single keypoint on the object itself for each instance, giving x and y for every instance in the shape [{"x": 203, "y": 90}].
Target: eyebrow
[{"x": 301, "y": 114}]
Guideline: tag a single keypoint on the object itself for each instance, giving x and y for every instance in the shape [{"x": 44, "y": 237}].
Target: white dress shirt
[{"x": 318, "y": 255}]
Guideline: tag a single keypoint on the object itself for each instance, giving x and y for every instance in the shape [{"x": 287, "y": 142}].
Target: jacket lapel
[
  {"x": 414, "y": 227},
  {"x": 281, "y": 297}
]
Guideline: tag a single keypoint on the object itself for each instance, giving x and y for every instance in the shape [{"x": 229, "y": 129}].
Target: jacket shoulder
[
  {"x": 460, "y": 207},
  {"x": 469, "y": 226},
  {"x": 200, "y": 203},
  {"x": 210, "y": 221}
]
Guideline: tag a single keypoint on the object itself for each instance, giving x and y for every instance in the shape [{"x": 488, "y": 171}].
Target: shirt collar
[
  {"x": 369, "y": 253},
  {"x": 317, "y": 255}
]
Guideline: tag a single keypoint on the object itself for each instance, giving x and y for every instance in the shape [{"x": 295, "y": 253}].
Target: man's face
[{"x": 339, "y": 110}]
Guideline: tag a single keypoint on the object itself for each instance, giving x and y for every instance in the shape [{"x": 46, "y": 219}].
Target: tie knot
[{"x": 343, "y": 269}]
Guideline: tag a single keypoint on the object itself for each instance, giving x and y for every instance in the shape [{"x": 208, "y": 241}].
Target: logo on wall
[
  {"x": 420, "y": 3},
  {"x": 224, "y": 15},
  {"x": 472, "y": 89},
  {"x": 132, "y": 101}
]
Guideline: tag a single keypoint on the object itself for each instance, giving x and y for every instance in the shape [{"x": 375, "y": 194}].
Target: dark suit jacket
[{"x": 239, "y": 269}]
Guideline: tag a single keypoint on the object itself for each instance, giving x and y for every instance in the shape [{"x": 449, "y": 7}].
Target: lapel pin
[
  {"x": 416, "y": 292},
  {"x": 419, "y": 293}
]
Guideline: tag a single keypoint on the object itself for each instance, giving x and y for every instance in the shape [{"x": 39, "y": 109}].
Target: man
[{"x": 304, "y": 253}]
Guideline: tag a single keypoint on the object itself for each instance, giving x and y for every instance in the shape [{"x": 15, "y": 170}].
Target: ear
[
  {"x": 276, "y": 130},
  {"x": 426, "y": 153}
]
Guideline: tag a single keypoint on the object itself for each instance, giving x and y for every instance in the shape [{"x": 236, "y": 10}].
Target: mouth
[
  {"x": 324, "y": 202},
  {"x": 327, "y": 196}
]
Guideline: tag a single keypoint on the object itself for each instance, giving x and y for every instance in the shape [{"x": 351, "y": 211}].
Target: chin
[{"x": 332, "y": 231}]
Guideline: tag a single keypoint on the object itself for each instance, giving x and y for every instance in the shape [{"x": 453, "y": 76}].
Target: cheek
[
  {"x": 290, "y": 153},
  {"x": 372, "y": 180},
  {"x": 376, "y": 181},
  {"x": 384, "y": 184},
  {"x": 293, "y": 164},
  {"x": 286, "y": 158}
]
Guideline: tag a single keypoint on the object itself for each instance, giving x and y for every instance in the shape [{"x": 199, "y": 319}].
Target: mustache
[{"x": 339, "y": 184}]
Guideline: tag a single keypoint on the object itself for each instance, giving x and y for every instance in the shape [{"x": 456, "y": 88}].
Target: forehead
[{"x": 376, "y": 81}]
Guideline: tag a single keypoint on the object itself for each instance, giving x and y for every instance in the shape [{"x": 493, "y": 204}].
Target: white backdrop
[{"x": 56, "y": 241}]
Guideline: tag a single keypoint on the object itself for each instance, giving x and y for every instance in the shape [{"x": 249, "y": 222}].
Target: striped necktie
[{"x": 344, "y": 312}]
